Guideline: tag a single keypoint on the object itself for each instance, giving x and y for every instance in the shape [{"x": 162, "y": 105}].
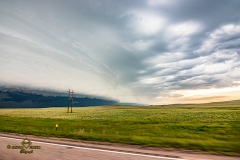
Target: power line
[{"x": 70, "y": 100}]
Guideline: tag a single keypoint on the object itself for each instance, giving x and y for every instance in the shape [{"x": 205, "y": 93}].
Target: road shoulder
[{"x": 171, "y": 153}]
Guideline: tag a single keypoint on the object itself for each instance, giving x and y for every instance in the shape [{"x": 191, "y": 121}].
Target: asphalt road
[{"x": 55, "y": 148}]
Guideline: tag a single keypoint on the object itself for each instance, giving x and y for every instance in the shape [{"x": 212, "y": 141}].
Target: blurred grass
[{"x": 211, "y": 127}]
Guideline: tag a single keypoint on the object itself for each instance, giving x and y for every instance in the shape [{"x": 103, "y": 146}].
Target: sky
[{"x": 139, "y": 51}]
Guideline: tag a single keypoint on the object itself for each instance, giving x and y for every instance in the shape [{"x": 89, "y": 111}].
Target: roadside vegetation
[{"x": 213, "y": 127}]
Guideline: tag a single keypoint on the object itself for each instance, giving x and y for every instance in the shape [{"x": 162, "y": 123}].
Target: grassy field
[{"x": 211, "y": 127}]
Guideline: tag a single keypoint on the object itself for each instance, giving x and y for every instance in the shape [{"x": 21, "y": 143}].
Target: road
[{"x": 66, "y": 149}]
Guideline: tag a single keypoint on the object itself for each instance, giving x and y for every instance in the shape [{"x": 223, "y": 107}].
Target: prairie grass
[{"x": 209, "y": 127}]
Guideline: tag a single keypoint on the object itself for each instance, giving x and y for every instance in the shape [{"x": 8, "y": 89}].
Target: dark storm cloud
[{"x": 126, "y": 50}]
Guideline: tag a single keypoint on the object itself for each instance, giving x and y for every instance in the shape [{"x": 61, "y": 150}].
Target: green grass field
[{"x": 211, "y": 127}]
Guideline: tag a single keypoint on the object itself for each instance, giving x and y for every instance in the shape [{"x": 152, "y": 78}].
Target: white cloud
[
  {"x": 226, "y": 30},
  {"x": 139, "y": 45},
  {"x": 184, "y": 29},
  {"x": 147, "y": 23},
  {"x": 165, "y": 57},
  {"x": 154, "y": 3},
  {"x": 225, "y": 38}
]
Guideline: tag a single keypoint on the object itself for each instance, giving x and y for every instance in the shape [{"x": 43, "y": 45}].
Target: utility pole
[{"x": 70, "y": 100}]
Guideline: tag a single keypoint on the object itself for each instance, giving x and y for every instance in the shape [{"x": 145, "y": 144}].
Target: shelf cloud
[{"x": 138, "y": 51}]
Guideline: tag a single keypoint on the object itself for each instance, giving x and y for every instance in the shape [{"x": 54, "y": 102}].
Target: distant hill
[
  {"x": 213, "y": 104},
  {"x": 19, "y": 99}
]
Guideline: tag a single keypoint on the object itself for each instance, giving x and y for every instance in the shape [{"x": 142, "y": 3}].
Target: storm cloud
[{"x": 150, "y": 51}]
